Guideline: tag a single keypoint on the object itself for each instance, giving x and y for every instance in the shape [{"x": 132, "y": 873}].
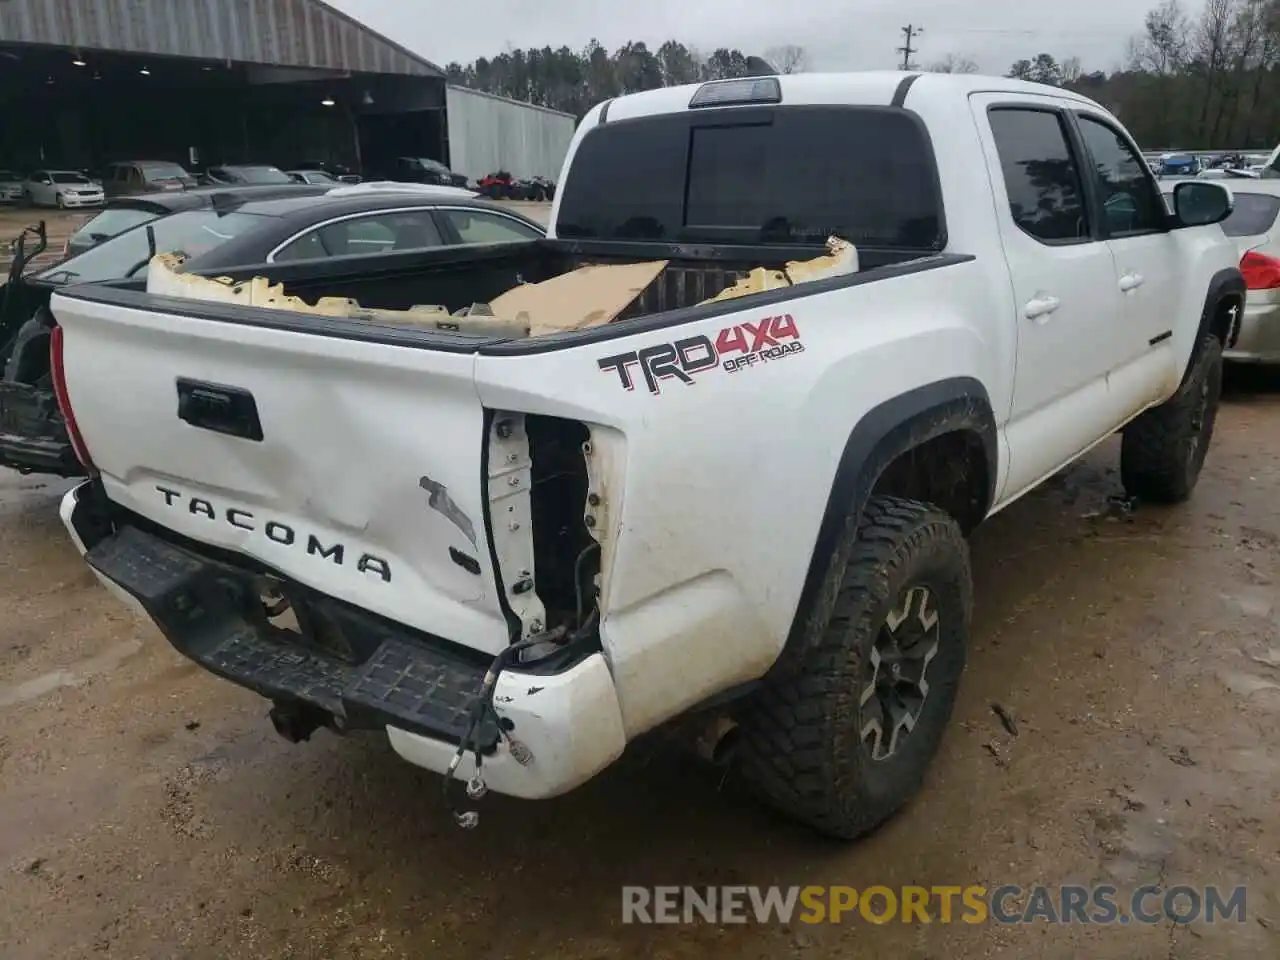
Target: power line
[{"x": 909, "y": 31}]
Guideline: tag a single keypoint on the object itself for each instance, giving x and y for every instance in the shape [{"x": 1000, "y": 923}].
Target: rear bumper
[
  {"x": 368, "y": 674},
  {"x": 1259, "y": 337}
]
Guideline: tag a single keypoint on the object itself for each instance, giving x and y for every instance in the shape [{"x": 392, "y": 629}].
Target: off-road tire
[
  {"x": 800, "y": 745},
  {"x": 1163, "y": 450}
]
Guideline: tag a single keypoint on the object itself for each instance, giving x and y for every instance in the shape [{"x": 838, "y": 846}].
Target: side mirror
[{"x": 1201, "y": 202}]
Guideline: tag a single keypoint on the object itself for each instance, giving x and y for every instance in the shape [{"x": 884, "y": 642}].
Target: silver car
[
  {"x": 62, "y": 189},
  {"x": 1252, "y": 224}
]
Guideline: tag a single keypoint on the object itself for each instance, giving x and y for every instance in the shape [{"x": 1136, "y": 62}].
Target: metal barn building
[
  {"x": 488, "y": 133},
  {"x": 84, "y": 83}
]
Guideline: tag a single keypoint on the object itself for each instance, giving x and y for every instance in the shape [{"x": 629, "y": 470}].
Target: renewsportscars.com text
[{"x": 1006, "y": 904}]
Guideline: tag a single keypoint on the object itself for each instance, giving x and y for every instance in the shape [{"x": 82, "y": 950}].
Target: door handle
[
  {"x": 1130, "y": 281},
  {"x": 1039, "y": 307}
]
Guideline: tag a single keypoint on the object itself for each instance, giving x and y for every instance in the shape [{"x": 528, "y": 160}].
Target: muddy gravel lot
[{"x": 147, "y": 809}]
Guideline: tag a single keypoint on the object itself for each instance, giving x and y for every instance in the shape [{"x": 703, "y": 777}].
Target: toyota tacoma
[{"x": 740, "y": 504}]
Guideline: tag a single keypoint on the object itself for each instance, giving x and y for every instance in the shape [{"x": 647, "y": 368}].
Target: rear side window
[
  {"x": 1254, "y": 214},
  {"x": 393, "y": 232},
  {"x": 1040, "y": 174},
  {"x": 477, "y": 226},
  {"x": 192, "y": 232},
  {"x": 745, "y": 175},
  {"x": 111, "y": 222}
]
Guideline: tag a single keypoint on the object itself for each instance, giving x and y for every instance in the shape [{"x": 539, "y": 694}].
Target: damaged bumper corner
[
  {"x": 570, "y": 722},
  {"x": 567, "y": 722}
]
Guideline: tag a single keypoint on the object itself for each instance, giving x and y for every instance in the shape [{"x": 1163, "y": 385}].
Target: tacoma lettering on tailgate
[
  {"x": 735, "y": 348},
  {"x": 274, "y": 530}
]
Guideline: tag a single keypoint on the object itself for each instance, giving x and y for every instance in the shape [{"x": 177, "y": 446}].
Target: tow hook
[{"x": 296, "y": 721}]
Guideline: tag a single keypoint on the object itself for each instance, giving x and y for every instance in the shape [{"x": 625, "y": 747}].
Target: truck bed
[{"x": 459, "y": 278}]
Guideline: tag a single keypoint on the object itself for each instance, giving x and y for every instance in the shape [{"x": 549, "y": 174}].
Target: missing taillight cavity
[
  {"x": 1260, "y": 271},
  {"x": 58, "y": 372},
  {"x": 566, "y": 556}
]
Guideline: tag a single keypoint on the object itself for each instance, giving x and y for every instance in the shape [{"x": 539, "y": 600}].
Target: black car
[
  {"x": 124, "y": 213},
  {"x": 310, "y": 233},
  {"x": 424, "y": 170},
  {"x": 246, "y": 174},
  {"x": 338, "y": 171}
]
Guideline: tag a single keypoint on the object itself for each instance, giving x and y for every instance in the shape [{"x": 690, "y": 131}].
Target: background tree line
[
  {"x": 576, "y": 80},
  {"x": 1192, "y": 78},
  {"x": 1206, "y": 78}
]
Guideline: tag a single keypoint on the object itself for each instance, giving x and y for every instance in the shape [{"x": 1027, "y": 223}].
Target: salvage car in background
[
  {"x": 424, "y": 170},
  {"x": 124, "y": 213},
  {"x": 338, "y": 171},
  {"x": 312, "y": 229},
  {"x": 62, "y": 189},
  {"x": 10, "y": 186},
  {"x": 134, "y": 177},
  {"x": 1252, "y": 224},
  {"x": 313, "y": 177},
  {"x": 246, "y": 174}
]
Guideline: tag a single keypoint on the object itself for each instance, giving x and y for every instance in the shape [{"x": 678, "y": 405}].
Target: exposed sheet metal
[{"x": 296, "y": 33}]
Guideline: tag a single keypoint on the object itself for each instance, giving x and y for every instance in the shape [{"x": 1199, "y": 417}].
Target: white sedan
[
  {"x": 10, "y": 187},
  {"x": 61, "y": 188}
]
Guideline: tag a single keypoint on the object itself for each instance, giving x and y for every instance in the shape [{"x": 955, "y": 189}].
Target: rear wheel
[
  {"x": 842, "y": 732},
  {"x": 1162, "y": 452}
]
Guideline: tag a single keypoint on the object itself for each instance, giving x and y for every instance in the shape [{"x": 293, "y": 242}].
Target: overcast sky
[{"x": 838, "y": 34}]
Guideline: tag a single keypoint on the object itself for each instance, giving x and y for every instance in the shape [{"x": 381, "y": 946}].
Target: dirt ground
[{"x": 147, "y": 809}]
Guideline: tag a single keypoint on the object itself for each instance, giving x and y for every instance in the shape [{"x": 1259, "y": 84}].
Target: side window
[
  {"x": 306, "y": 247},
  {"x": 136, "y": 177},
  {"x": 378, "y": 233},
  {"x": 1040, "y": 174},
  {"x": 1129, "y": 198},
  {"x": 477, "y": 226}
]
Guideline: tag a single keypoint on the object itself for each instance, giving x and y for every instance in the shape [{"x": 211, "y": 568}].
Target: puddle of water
[{"x": 71, "y": 676}]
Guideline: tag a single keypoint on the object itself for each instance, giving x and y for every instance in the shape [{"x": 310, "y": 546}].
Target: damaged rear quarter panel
[{"x": 716, "y": 503}]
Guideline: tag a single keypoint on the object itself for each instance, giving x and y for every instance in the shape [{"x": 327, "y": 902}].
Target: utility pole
[{"x": 910, "y": 31}]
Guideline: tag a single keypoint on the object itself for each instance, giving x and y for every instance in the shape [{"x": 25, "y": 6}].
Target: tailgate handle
[{"x": 222, "y": 409}]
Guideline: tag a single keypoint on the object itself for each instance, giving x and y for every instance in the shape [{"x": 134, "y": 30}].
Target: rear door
[
  {"x": 350, "y": 466},
  {"x": 1063, "y": 277}
]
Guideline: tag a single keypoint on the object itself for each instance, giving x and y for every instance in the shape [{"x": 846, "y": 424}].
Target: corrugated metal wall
[
  {"x": 297, "y": 33},
  {"x": 488, "y": 133}
]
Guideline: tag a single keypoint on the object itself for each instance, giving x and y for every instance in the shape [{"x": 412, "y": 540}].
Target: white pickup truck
[{"x": 516, "y": 554}]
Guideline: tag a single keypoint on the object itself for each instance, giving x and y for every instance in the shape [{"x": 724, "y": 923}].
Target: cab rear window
[{"x": 758, "y": 175}]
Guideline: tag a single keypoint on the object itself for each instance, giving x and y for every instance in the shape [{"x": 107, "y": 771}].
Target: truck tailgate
[{"x": 350, "y": 467}]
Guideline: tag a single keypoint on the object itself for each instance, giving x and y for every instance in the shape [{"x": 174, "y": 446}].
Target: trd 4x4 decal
[{"x": 735, "y": 348}]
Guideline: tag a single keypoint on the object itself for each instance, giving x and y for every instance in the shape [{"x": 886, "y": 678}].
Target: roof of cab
[{"x": 870, "y": 88}]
